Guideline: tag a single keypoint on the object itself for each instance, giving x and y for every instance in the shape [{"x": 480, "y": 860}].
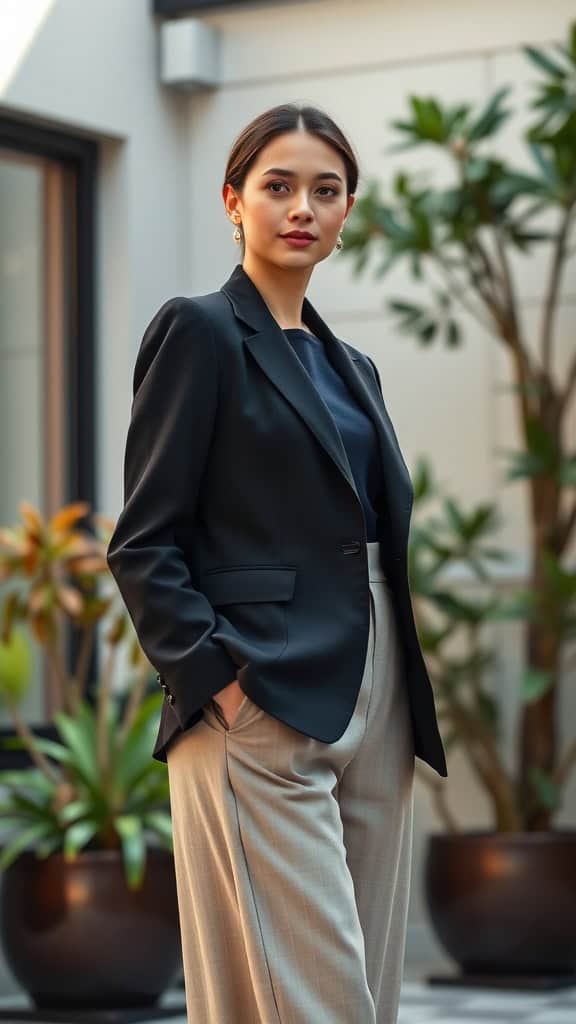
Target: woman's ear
[
  {"x": 349, "y": 205},
  {"x": 231, "y": 200}
]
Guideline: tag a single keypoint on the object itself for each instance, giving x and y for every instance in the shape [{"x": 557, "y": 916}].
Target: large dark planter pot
[
  {"x": 75, "y": 936},
  {"x": 504, "y": 903}
]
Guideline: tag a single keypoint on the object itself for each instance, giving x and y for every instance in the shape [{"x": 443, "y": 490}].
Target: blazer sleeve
[{"x": 175, "y": 395}]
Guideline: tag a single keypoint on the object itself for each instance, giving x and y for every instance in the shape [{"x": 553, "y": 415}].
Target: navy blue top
[{"x": 355, "y": 426}]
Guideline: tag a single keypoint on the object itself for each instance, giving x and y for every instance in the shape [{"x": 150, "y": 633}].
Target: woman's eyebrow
[{"x": 331, "y": 175}]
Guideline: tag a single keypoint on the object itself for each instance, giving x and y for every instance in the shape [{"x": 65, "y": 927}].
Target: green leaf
[
  {"x": 27, "y": 778},
  {"x": 409, "y": 310},
  {"x": 454, "y": 516},
  {"x": 519, "y": 605},
  {"x": 77, "y": 836},
  {"x": 45, "y": 847},
  {"x": 161, "y": 823},
  {"x": 545, "y": 63},
  {"x": 129, "y": 829},
  {"x": 13, "y": 818},
  {"x": 75, "y": 809},
  {"x": 453, "y": 336},
  {"x": 35, "y": 808},
  {"x": 524, "y": 465},
  {"x": 548, "y": 791},
  {"x": 79, "y": 738},
  {"x": 491, "y": 117},
  {"x": 428, "y": 331},
  {"x": 132, "y": 759},
  {"x": 544, "y": 164},
  {"x": 542, "y": 443},
  {"x": 534, "y": 684},
  {"x": 29, "y": 836},
  {"x": 15, "y": 665},
  {"x": 428, "y": 120},
  {"x": 457, "y": 608},
  {"x": 57, "y": 751}
]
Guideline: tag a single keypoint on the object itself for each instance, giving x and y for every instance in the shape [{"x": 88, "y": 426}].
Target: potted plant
[
  {"x": 88, "y": 911},
  {"x": 501, "y": 900}
]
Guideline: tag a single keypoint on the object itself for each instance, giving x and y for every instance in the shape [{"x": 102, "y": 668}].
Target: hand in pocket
[{"x": 229, "y": 700}]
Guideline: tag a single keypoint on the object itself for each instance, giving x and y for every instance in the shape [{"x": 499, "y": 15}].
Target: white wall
[{"x": 92, "y": 67}]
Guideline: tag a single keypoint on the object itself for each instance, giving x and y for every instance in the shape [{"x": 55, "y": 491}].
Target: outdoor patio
[{"x": 425, "y": 1004}]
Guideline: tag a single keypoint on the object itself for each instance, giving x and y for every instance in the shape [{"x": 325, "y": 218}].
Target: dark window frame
[
  {"x": 174, "y": 8},
  {"x": 82, "y": 155}
]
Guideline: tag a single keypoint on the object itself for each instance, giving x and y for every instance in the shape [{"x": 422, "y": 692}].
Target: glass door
[{"x": 46, "y": 441}]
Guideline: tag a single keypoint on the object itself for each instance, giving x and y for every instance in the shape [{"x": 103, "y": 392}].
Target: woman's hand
[{"x": 229, "y": 700}]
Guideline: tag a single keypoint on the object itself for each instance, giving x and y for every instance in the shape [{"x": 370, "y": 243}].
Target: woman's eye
[{"x": 271, "y": 185}]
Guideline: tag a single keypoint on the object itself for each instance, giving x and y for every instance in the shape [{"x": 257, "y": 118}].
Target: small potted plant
[{"x": 88, "y": 909}]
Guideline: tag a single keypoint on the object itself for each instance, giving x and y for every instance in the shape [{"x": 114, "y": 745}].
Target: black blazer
[{"x": 240, "y": 549}]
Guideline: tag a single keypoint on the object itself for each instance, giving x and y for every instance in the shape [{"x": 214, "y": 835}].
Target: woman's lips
[{"x": 298, "y": 243}]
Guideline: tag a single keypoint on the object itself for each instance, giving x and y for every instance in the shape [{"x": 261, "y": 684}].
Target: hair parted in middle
[{"x": 287, "y": 117}]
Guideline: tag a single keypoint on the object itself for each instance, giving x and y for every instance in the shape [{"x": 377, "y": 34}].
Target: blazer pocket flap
[{"x": 228, "y": 586}]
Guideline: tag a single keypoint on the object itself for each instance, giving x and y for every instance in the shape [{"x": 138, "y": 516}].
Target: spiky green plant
[{"x": 96, "y": 786}]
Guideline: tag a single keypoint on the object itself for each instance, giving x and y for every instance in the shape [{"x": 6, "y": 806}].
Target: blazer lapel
[{"x": 274, "y": 354}]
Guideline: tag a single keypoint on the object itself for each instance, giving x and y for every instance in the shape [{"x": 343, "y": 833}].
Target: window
[{"x": 47, "y": 415}]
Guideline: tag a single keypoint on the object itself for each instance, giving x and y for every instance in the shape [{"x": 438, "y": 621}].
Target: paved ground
[{"x": 425, "y": 1004}]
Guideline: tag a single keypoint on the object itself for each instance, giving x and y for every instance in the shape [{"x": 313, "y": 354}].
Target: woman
[{"x": 261, "y": 553}]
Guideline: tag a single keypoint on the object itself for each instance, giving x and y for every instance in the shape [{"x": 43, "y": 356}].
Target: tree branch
[
  {"x": 80, "y": 680},
  {"x": 505, "y": 319},
  {"x": 484, "y": 757},
  {"x": 551, "y": 303},
  {"x": 29, "y": 740},
  {"x": 438, "y": 790},
  {"x": 509, "y": 287},
  {"x": 566, "y": 527},
  {"x": 458, "y": 290},
  {"x": 570, "y": 385},
  {"x": 565, "y": 766}
]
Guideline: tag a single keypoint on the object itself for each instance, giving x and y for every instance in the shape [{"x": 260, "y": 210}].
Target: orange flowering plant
[{"x": 94, "y": 785}]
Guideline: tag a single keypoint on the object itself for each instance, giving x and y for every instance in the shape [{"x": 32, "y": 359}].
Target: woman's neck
[{"x": 283, "y": 290}]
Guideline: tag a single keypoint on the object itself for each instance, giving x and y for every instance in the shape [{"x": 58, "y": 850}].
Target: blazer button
[{"x": 352, "y": 548}]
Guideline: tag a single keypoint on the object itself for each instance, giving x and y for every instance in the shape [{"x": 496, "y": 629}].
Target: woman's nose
[{"x": 302, "y": 205}]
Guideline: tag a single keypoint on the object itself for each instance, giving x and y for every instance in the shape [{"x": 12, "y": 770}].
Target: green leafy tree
[{"x": 457, "y": 242}]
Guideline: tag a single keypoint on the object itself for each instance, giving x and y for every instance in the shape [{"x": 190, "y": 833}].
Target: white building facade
[{"x": 115, "y": 125}]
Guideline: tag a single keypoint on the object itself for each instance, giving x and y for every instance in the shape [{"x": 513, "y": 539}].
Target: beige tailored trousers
[{"x": 293, "y": 856}]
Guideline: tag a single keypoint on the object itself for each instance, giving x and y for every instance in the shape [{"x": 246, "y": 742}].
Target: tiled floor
[
  {"x": 422, "y": 1003},
  {"x": 425, "y": 1004}
]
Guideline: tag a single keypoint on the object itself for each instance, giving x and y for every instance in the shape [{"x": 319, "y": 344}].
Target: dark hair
[{"x": 287, "y": 117}]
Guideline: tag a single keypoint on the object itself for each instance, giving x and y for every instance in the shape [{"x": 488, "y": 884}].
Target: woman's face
[{"x": 297, "y": 183}]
